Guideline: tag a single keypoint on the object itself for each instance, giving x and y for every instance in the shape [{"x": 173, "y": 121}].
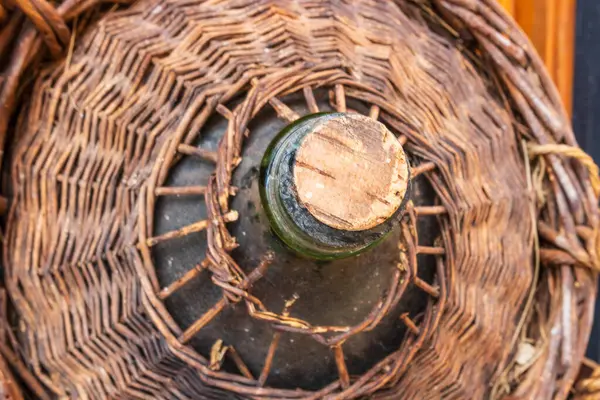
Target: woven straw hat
[{"x": 127, "y": 273}]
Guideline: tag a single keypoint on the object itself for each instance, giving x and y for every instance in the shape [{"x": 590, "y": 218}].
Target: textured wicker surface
[
  {"x": 588, "y": 386},
  {"x": 98, "y": 132}
]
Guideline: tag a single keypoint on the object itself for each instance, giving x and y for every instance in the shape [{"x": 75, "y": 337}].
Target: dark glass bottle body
[{"x": 330, "y": 290}]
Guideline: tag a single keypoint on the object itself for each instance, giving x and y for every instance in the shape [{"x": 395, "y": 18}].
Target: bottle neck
[{"x": 334, "y": 185}]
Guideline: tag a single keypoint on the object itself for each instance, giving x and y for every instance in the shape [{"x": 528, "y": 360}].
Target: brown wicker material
[
  {"x": 9, "y": 389},
  {"x": 98, "y": 131},
  {"x": 588, "y": 384}
]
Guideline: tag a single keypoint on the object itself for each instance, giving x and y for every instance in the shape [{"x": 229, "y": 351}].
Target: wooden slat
[
  {"x": 550, "y": 24},
  {"x": 565, "y": 48},
  {"x": 509, "y": 5}
]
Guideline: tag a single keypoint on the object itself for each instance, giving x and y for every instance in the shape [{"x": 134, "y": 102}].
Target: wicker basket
[{"x": 99, "y": 102}]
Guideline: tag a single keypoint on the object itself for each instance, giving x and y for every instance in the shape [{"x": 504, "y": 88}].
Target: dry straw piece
[{"x": 99, "y": 102}]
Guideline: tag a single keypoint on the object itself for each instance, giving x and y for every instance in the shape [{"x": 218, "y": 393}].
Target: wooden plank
[
  {"x": 509, "y": 5},
  {"x": 550, "y": 24},
  {"x": 566, "y": 51}
]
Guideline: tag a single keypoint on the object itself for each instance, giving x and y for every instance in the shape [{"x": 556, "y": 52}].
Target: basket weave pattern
[{"x": 455, "y": 80}]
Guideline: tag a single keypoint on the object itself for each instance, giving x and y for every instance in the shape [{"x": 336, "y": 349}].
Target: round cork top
[{"x": 351, "y": 173}]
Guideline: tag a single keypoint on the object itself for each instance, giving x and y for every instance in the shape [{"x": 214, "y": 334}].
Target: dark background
[{"x": 586, "y": 104}]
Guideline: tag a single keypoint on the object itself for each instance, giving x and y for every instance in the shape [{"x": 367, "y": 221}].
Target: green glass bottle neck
[{"x": 290, "y": 220}]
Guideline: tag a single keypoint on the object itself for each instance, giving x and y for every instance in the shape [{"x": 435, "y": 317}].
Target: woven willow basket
[{"x": 100, "y": 102}]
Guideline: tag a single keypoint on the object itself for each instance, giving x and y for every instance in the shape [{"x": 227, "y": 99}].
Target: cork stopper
[{"x": 351, "y": 173}]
